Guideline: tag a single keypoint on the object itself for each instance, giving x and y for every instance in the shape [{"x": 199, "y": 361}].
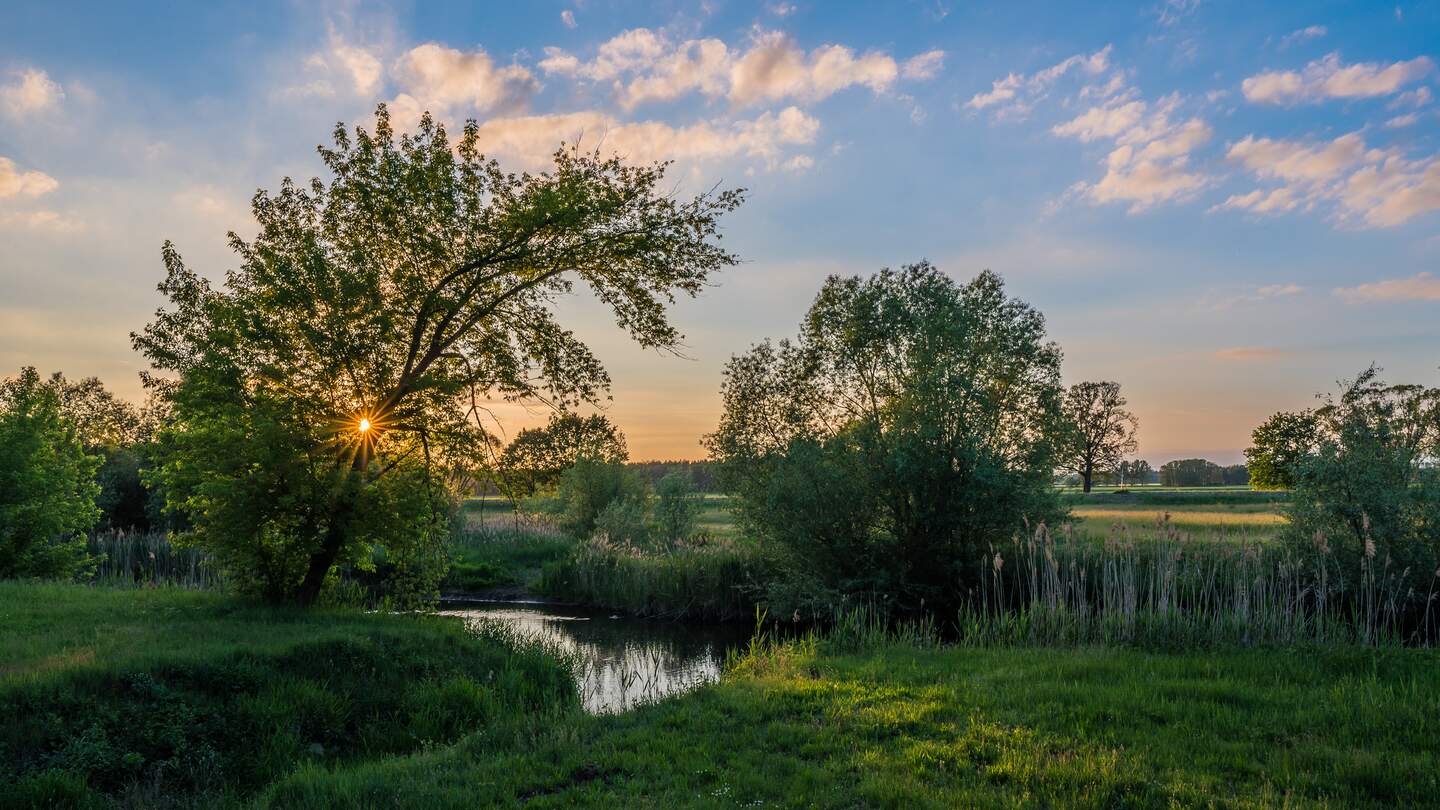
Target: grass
[
  {"x": 502, "y": 559},
  {"x": 168, "y": 697},
  {"x": 713, "y": 581},
  {"x": 820, "y": 724},
  {"x": 1242, "y": 521}
]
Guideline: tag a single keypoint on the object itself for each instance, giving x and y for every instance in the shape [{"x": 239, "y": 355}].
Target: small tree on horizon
[{"x": 1099, "y": 431}]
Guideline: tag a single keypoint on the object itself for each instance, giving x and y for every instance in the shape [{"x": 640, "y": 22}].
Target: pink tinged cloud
[
  {"x": 1328, "y": 78},
  {"x": 1248, "y": 354},
  {"x": 1419, "y": 287},
  {"x": 17, "y": 183}
]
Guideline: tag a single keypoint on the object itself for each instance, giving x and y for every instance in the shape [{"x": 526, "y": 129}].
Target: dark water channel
[{"x": 625, "y": 662}]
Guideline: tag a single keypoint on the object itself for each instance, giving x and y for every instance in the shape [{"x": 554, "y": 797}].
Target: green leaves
[
  {"x": 414, "y": 284},
  {"x": 913, "y": 421},
  {"x": 47, "y": 482}
]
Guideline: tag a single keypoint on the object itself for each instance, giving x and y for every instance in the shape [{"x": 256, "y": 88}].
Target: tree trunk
[
  {"x": 324, "y": 558},
  {"x": 1086, "y": 476}
]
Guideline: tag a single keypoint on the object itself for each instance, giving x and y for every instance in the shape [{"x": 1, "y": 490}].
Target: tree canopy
[
  {"x": 47, "y": 482},
  {"x": 536, "y": 457},
  {"x": 1099, "y": 431},
  {"x": 375, "y": 313},
  {"x": 913, "y": 422}
]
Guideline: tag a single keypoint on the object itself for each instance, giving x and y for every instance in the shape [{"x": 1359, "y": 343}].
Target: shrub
[
  {"x": 591, "y": 485},
  {"x": 677, "y": 507},
  {"x": 1369, "y": 489}
]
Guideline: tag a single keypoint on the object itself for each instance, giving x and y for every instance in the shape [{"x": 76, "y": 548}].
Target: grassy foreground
[
  {"x": 899, "y": 725},
  {"x": 175, "y": 698}
]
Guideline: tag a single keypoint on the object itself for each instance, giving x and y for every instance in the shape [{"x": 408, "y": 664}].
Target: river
[{"x": 627, "y": 662}]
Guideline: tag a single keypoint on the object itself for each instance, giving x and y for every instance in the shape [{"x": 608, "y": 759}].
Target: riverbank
[
  {"x": 167, "y": 697},
  {"x": 156, "y": 697},
  {"x": 901, "y": 724}
]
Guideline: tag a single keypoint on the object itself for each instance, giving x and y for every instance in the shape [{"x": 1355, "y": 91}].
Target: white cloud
[
  {"x": 643, "y": 65},
  {"x": 799, "y": 163},
  {"x": 1150, "y": 162},
  {"x": 1413, "y": 99},
  {"x": 1400, "y": 121},
  {"x": 1419, "y": 287},
  {"x": 1102, "y": 122},
  {"x": 1171, "y": 12},
  {"x": 1014, "y": 96},
  {"x": 781, "y": 9},
  {"x": 363, "y": 67},
  {"x": 568, "y": 18},
  {"x": 776, "y": 68},
  {"x": 1294, "y": 161},
  {"x": 1371, "y": 187},
  {"x": 445, "y": 81},
  {"x": 1328, "y": 78},
  {"x": 1302, "y": 35},
  {"x": 15, "y": 183},
  {"x": 532, "y": 139},
  {"x": 30, "y": 92},
  {"x": 924, "y": 66}
]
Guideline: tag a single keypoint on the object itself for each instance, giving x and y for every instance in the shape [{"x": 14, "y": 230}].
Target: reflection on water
[{"x": 625, "y": 662}]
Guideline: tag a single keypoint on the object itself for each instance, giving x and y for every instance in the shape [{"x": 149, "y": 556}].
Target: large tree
[
  {"x": 1099, "y": 431},
  {"x": 1279, "y": 446},
  {"x": 909, "y": 427},
  {"x": 47, "y": 482},
  {"x": 346, "y": 362}
]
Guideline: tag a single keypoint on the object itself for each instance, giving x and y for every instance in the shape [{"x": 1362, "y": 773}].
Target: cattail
[
  {"x": 998, "y": 563},
  {"x": 1369, "y": 548},
  {"x": 1321, "y": 544}
]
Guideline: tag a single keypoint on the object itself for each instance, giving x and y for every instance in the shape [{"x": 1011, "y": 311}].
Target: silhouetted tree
[
  {"x": 1099, "y": 431},
  {"x": 327, "y": 392}
]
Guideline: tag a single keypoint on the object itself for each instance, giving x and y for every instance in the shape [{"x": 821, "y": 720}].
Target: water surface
[{"x": 627, "y": 662}]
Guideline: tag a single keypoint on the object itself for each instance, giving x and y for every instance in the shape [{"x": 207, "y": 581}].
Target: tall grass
[
  {"x": 715, "y": 580},
  {"x": 1173, "y": 590},
  {"x": 129, "y": 559}
]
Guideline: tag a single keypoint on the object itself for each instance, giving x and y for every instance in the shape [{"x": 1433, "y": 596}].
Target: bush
[
  {"x": 677, "y": 507},
  {"x": 1369, "y": 489},
  {"x": 592, "y": 485}
]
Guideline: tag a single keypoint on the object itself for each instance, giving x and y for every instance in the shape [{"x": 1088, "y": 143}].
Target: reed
[
  {"x": 148, "y": 559},
  {"x": 715, "y": 580},
  {"x": 1173, "y": 590}
]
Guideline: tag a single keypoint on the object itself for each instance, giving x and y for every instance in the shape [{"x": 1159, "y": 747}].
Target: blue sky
[{"x": 1224, "y": 206}]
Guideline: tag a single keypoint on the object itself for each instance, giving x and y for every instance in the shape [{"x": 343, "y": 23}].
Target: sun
[{"x": 364, "y": 425}]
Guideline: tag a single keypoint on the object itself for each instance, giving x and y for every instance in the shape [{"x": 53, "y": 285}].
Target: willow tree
[{"x": 321, "y": 394}]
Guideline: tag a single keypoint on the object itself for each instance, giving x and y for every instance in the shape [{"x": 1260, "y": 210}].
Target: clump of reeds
[
  {"x": 712, "y": 580},
  {"x": 149, "y": 559},
  {"x": 1172, "y": 589}
]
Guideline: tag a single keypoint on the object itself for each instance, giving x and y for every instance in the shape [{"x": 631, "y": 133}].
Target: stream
[{"x": 628, "y": 662}]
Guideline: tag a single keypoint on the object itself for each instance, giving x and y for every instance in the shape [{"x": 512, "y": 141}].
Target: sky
[{"x": 1225, "y": 207}]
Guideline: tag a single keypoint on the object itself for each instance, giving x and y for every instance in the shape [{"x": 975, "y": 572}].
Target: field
[{"x": 906, "y": 725}]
